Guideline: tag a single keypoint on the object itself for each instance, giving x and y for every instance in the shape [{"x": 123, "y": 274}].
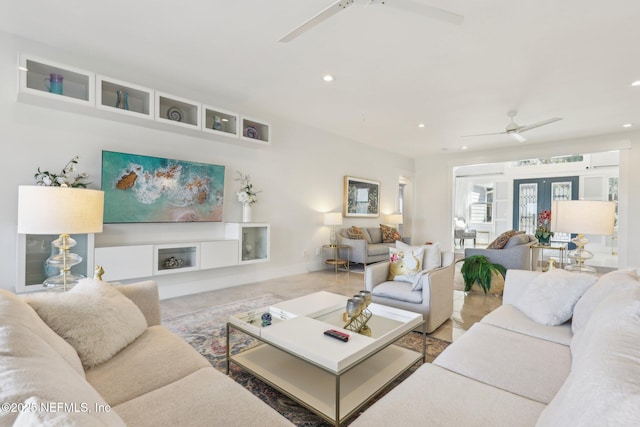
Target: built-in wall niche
[
  {"x": 49, "y": 79},
  {"x": 255, "y": 130},
  {"x": 219, "y": 121},
  {"x": 177, "y": 111},
  {"x": 122, "y": 97}
]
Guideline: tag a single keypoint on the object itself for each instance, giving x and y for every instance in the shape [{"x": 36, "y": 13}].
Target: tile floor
[{"x": 467, "y": 309}]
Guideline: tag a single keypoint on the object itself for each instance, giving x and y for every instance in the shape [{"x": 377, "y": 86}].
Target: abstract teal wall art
[{"x": 152, "y": 189}]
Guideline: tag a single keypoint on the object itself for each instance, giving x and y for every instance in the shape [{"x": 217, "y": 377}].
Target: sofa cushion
[
  {"x": 134, "y": 371},
  {"x": 502, "y": 239},
  {"x": 96, "y": 319},
  {"x": 435, "y": 397},
  {"x": 356, "y": 233},
  {"x": 608, "y": 283},
  {"x": 432, "y": 255},
  {"x": 406, "y": 264},
  {"x": 375, "y": 235},
  {"x": 389, "y": 234},
  {"x": 15, "y": 311},
  {"x": 31, "y": 368},
  {"x": 527, "y": 366},
  {"x": 203, "y": 398},
  {"x": 550, "y": 297},
  {"x": 398, "y": 291},
  {"x": 603, "y": 387},
  {"x": 378, "y": 249},
  {"x": 510, "y": 318}
]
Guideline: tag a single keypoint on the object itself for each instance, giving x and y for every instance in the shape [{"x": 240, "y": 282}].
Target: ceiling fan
[
  {"x": 514, "y": 130},
  {"x": 406, "y": 5}
]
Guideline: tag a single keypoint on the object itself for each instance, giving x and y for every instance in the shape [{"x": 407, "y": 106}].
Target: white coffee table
[{"x": 332, "y": 378}]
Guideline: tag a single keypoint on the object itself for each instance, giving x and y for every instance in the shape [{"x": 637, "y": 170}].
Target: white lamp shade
[
  {"x": 583, "y": 216},
  {"x": 58, "y": 210},
  {"x": 394, "y": 219},
  {"x": 333, "y": 218}
]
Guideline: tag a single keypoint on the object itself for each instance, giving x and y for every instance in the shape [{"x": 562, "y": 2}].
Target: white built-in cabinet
[{"x": 133, "y": 103}]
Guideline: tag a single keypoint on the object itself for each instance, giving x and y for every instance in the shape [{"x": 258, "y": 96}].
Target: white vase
[{"x": 246, "y": 212}]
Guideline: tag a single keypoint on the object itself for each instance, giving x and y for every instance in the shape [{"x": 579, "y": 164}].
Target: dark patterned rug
[{"x": 205, "y": 330}]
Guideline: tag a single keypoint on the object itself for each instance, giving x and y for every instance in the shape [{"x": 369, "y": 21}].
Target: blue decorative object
[
  {"x": 266, "y": 319},
  {"x": 122, "y": 101}
]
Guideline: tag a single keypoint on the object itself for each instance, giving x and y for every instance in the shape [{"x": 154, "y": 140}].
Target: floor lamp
[
  {"x": 63, "y": 211},
  {"x": 582, "y": 217},
  {"x": 333, "y": 219}
]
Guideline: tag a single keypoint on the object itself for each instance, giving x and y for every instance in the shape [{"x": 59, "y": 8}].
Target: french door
[{"x": 531, "y": 196}]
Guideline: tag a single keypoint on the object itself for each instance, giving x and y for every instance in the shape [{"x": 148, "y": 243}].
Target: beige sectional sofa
[
  {"x": 155, "y": 380},
  {"x": 509, "y": 370}
]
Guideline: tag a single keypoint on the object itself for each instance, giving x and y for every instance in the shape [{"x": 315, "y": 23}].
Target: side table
[
  {"x": 534, "y": 263},
  {"x": 334, "y": 259}
]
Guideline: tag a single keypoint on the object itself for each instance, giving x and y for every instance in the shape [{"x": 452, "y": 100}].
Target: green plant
[{"x": 478, "y": 269}]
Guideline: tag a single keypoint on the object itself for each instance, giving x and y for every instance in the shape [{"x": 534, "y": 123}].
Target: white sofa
[
  {"x": 509, "y": 370},
  {"x": 156, "y": 380}
]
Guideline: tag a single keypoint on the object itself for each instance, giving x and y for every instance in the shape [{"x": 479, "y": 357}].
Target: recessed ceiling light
[
  {"x": 421, "y": 125},
  {"x": 636, "y": 83},
  {"x": 627, "y": 125},
  {"x": 328, "y": 78},
  {"x": 464, "y": 147}
]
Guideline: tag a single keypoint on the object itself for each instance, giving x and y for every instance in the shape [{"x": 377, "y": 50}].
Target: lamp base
[
  {"x": 63, "y": 261},
  {"x": 63, "y": 282},
  {"x": 580, "y": 255}
]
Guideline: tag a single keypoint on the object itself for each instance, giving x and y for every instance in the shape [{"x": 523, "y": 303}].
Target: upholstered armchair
[
  {"x": 434, "y": 300},
  {"x": 516, "y": 254}
]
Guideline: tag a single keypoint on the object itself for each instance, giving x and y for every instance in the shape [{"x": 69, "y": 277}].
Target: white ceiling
[{"x": 574, "y": 59}]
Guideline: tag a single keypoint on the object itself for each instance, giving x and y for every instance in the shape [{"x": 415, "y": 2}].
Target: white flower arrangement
[
  {"x": 63, "y": 179},
  {"x": 246, "y": 194}
]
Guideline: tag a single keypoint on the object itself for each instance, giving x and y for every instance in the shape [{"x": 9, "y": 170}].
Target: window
[{"x": 481, "y": 207}]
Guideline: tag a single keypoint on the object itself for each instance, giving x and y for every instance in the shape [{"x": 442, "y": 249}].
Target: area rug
[{"x": 205, "y": 330}]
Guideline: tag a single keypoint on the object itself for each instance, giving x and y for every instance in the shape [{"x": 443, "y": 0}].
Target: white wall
[
  {"x": 300, "y": 174},
  {"x": 434, "y": 178}
]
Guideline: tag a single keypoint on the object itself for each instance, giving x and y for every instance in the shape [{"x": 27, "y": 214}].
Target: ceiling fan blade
[
  {"x": 483, "y": 134},
  {"x": 536, "y": 125},
  {"x": 318, "y": 18},
  {"x": 427, "y": 11},
  {"x": 515, "y": 135}
]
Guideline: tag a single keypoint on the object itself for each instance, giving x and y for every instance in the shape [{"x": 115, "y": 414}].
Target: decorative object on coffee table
[{"x": 358, "y": 313}]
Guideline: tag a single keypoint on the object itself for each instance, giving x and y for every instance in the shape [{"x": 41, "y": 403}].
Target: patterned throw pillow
[
  {"x": 389, "y": 234},
  {"x": 406, "y": 264},
  {"x": 355, "y": 233},
  {"x": 503, "y": 239}
]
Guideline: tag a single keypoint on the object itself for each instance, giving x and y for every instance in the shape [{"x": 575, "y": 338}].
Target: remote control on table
[{"x": 337, "y": 335}]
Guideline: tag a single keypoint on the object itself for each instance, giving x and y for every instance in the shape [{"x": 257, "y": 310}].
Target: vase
[
  {"x": 246, "y": 212},
  {"x": 544, "y": 240}
]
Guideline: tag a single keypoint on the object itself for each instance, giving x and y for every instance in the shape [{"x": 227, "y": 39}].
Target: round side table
[{"x": 334, "y": 259}]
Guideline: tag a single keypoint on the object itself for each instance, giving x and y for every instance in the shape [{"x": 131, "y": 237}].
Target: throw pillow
[
  {"x": 95, "y": 318},
  {"x": 550, "y": 297},
  {"x": 355, "y": 233},
  {"x": 607, "y": 284},
  {"x": 502, "y": 239},
  {"x": 431, "y": 259},
  {"x": 389, "y": 234},
  {"x": 405, "y": 264}
]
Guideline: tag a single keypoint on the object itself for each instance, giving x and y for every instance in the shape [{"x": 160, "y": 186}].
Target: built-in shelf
[
  {"x": 219, "y": 121},
  {"x": 253, "y": 238},
  {"x": 70, "y": 84},
  {"x": 177, "y": 111},
  {"x": 125, "y": 98},
  {"x": 172, "y": 258},
  {"x": 106, "y": 95},
  {"x": 256, "y": 131}
]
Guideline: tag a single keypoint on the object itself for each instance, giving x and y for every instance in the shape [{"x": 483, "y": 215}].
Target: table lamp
[
  {"x": 394, "y": 219},
  {"x": 64, "y": 211},
  {"x": 582, "y": 217},
  {"x": 333, "y": 219}
]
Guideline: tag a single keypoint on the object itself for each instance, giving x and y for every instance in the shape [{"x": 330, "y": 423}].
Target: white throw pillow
[
  {"x": 610, "y": 282},
  {"x": 432, "y": 257},
  {"x": 95, "y": 318},
  {"x": 550, "y": 297}
]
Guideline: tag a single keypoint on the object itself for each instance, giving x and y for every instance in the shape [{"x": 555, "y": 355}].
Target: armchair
[
  {"x": 434, "y": 300},
  {"x": 516, "y": 254}
]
